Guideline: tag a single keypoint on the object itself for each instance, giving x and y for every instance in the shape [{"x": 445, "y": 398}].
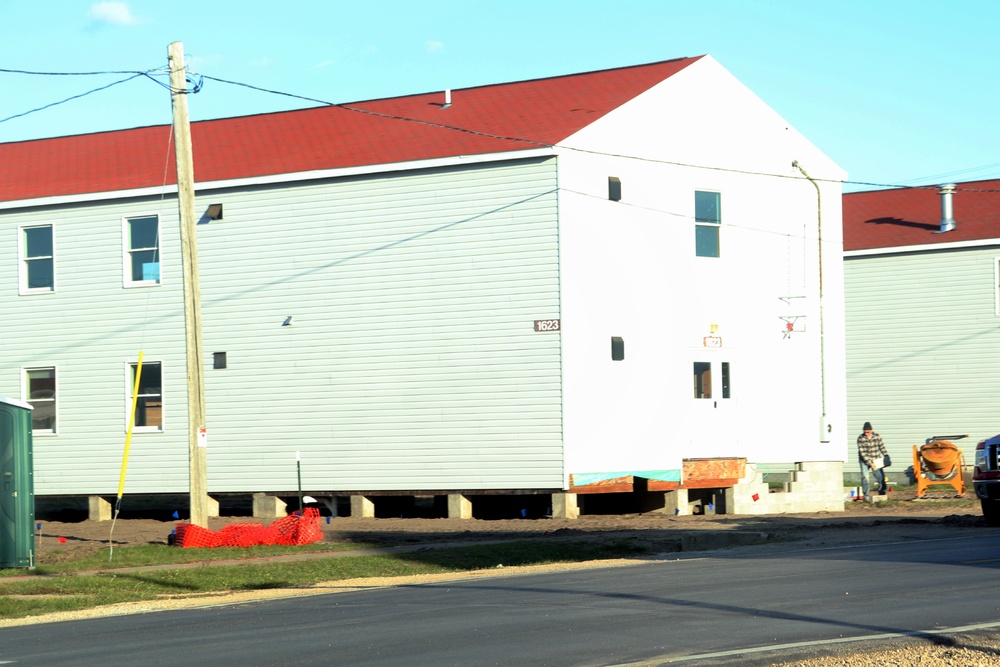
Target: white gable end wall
[{"x": 629, "y": 269}]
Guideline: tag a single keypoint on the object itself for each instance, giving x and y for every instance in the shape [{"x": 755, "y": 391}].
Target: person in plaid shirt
[{"x": 871, "y": 454}]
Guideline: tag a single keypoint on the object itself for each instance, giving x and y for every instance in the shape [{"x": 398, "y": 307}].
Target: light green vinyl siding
[
  {"x": 89, "y": 329},
  {"x": 922, "y": 341},
  {"x": 411, "y": 362}
]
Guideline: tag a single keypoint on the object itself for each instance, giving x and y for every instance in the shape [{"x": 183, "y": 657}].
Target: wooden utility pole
[{"x": 197, "y": 438}]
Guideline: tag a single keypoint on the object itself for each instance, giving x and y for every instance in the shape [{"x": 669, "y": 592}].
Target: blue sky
[{"x": 897, "y": 92}]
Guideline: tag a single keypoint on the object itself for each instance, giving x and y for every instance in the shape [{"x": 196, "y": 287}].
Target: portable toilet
[{"x": 17, "y": 488}]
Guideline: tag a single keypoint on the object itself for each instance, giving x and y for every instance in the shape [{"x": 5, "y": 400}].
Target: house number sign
[{"x": 547, "y": 325}]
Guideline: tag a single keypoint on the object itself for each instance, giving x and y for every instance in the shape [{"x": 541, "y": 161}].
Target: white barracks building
[{"x": 622, "y": 286}]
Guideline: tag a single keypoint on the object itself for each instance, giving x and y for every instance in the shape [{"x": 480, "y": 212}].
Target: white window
[
  {"x": 40, "y": 392},
  {"x": 149, "y": 404},
  {"x": 707, "y": 219},
  {"x": 142, "y": 250},
  {"x": 37, "y": 254}
]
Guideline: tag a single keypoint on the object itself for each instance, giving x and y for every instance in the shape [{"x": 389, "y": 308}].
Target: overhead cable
[{"x": 197, "y": 86}]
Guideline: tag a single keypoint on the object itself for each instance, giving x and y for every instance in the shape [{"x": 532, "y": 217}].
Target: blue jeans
[{"x": 879, "y": 478}]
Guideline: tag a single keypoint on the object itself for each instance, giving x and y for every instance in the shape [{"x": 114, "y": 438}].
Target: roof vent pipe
[
  {"x": 947, "y": 221},
  {"x": 447, "y": 98}
]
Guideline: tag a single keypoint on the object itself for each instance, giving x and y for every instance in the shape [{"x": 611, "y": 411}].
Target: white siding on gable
[{"x": 922, "y": 335}]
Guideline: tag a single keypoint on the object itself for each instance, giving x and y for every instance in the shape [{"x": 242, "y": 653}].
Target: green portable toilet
[{"x": 17, "y": 488}]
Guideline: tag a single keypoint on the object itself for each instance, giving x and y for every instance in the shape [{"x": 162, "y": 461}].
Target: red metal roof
[
  {"x": 912, "y": 216},
  {"x": 496, "y": 118}
]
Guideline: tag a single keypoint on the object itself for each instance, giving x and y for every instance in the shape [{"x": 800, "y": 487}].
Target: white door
[{"x": 715, "y": 428}]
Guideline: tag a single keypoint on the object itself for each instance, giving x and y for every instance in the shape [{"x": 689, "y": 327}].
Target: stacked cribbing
[{"x": 292, "y": 530}]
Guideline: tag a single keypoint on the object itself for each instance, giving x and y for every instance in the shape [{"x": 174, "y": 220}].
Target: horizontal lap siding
[
  {"x": 89, "y": 328},
  {"x": 922, "y": 335},
  {"x": 411, "y": 362}
]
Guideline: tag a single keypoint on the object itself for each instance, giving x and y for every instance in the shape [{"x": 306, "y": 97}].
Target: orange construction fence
[{"x": 292, "y": 530}]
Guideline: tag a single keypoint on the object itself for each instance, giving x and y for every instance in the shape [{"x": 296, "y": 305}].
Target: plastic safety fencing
[{"x": 292, "y": 530}]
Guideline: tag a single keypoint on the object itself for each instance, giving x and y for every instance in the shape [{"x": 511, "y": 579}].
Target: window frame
[
  {"x": 703, "y": 224},
  {"x": 130, "y": 385},
  {"x": 128, "y": 251},
  {"x": 24, "y": 287},
  {"x": 54, "y": 399}
]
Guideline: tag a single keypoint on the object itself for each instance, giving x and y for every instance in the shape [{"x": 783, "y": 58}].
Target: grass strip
[
  {"x": 144, "y": 555},
  {"x": 73, "y": 589}
]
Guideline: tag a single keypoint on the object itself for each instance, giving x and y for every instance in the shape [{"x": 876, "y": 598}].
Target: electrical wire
[
  {"x": 686, "y": 217},
  {"x": 70, "y": 99},
  {"x": 142, "y": 341},
  {"x": 104, "y": 73},
  {"x": 197, "y": 86},
  {"x": 379, "y": 114},
  {"x": 348, "y": 107}
]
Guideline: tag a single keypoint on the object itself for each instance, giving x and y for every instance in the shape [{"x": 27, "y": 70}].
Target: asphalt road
[{"x": 751, "y": 605}]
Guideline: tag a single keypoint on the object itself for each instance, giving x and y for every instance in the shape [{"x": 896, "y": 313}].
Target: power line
[
  {"x": 348, "y": 107},
  {"x": 22, "y": 71},
  {"x": 69, "y": 99},
  {"x": 197, "y": 86},
  {"x": 149, "y": 74}
]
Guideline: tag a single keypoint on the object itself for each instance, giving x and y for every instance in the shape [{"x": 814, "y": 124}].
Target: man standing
[{"x": 871, "y": 454}]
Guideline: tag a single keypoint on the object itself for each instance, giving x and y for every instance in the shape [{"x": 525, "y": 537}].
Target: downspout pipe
[{"x": 822, "y": 338}]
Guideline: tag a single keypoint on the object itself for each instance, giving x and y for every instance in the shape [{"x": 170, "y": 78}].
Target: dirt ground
[{"x": 658, "y": 533}]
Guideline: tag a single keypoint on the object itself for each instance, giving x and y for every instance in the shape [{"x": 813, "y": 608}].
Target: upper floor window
[
  {"x": 708, "y": 219},
  {"x": 149, "y": 403},
  {"x": 40, "y": 390},
  {"x": 142, "y": 250},
  {"x": 37, "y": 260}
]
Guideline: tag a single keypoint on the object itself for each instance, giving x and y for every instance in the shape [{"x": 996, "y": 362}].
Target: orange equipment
[{"x": 939, "y": 461}]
